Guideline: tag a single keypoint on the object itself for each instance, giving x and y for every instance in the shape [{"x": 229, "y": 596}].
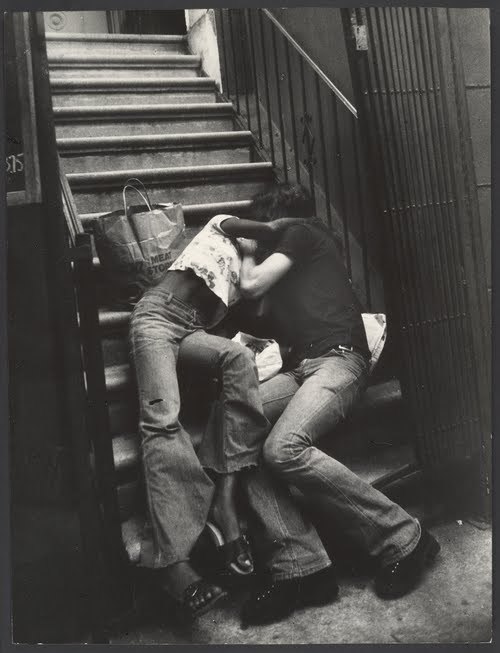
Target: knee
[
  {"x": 279, "y": 455},
  {"x": 239, "y": 355}
]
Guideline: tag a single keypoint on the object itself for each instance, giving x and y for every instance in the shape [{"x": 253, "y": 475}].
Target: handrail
[
  {"x": 73, "y": 221},
  {"x": 313, "y": 65}
]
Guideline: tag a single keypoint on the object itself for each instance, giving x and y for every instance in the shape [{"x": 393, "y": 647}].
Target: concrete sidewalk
[{"x": 453, "y": 605}]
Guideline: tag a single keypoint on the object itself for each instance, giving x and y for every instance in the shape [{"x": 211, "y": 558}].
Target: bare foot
[
  {"x": 175, "y": 579},
  {"x": 224, "y": 514}
]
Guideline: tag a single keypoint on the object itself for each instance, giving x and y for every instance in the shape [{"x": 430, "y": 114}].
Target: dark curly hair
[{"x": 283, "y": 200}]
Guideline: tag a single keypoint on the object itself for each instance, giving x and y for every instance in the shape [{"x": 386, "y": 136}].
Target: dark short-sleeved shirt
[{"x": 313, "y": 307}]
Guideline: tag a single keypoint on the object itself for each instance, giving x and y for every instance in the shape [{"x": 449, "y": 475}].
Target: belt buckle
[{"x": 344, "y": 348}]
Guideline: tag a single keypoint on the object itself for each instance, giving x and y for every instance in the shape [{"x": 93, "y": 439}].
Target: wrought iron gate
[{"x": 411, "y": 102}]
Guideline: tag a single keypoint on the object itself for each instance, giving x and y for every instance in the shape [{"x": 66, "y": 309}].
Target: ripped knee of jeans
[{"x": 155, "y": 401}]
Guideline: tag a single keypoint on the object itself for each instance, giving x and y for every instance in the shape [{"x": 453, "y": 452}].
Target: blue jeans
[
  {"x": 179, "y": 492},
  {"x": 305, "y": 405}
]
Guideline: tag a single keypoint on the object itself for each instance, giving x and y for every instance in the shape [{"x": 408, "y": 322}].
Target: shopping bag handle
[{"x": 145, "y": 197}]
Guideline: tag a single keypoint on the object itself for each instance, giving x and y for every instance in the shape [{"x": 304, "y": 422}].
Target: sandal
[
  {"x": 185, "y": 608},
  {"x": 231, "y": 551}
]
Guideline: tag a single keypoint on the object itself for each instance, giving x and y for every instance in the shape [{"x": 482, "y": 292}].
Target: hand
[{"x": 247, "y": 246}]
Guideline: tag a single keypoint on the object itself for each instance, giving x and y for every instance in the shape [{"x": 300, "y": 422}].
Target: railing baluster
[
  {"x": 309, "y": 160},
  {"x": 254, "y": 68},
  {"x": 235, "y": 67},
  {"x": 225, "y": 69},
  {"x": 364, "y": 251},
  {"x": 280, "y": 107},
  {"x": 226, "y": 74},
  {"x": 268, "y": 98},
  {"x": 241, "y": 20},
  {"x": 323, "y": 151},
  {"x": 292, "y": 112},
  {"x": 341, "y": 186}
]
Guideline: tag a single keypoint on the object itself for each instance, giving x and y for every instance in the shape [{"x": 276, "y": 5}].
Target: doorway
[{"x": 154, "y": 22}]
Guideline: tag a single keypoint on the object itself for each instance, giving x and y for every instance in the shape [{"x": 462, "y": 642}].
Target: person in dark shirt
[{"x": 313, "y": 309}]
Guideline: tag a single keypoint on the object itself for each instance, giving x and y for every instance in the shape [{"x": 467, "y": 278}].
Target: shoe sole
[{"x": 429, "y": 557}]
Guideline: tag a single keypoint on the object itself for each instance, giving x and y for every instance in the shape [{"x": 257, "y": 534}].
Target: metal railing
[{"x": 309, "y": 130}]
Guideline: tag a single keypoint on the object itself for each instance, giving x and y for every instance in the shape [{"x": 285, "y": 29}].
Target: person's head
[{"x": 283, "y": 201}]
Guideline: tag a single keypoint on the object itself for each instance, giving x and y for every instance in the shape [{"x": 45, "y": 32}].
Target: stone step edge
[
  {"x": 166, "y": 83},
  {"x": 191, "y": 211},
  {"x": 117, "y": 177},
  {"x": 154, "y": 140},
  {"x": 117, "y": 111},
  {"x": 116, "y": 38},
  {"x": 106, "y": 60}
]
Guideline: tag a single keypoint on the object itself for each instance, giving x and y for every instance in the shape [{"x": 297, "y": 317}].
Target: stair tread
[
  {"x": 133, "y": 80},
  {"x": 175, "y": 172},
  {"x": 96, "y": 110},
  {"x": 153, "y": 139},
  {"x": 133, "y": 59},
  {"x": 118, "y": 38}
]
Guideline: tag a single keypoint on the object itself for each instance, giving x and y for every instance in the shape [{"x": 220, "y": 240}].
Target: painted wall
[
  {"x": 475, "y": 47},
  {"x": 202, "y": 40},
  {"x": 76, "y": 21},
  {"x": 318, "y": 30}
]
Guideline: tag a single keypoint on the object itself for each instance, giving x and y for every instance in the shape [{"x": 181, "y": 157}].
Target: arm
[
  {"x": 255, "y": 280},
  {"x": 241, "y": 228}
]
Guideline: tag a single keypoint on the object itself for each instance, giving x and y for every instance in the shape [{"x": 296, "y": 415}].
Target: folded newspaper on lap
[{"x": 267, "y": 354}]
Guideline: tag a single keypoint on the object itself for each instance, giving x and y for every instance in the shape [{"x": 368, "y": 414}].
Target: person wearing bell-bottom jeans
[{"x": 312, "y": 308}]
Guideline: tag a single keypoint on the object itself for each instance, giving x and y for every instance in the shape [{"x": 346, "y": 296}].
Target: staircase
[{"x": 139, "y": 106}]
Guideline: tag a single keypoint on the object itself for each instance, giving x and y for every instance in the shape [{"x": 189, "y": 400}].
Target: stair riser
[
  {"x": 155, "y": 159},
  {"x": 115, "y": 350},
  {"x": 121, "y": 72},
  {"x": 79, "y": 48},
  {"x": 106, "y": 98},
  {"x": 189, "y": 192},
  {"x": 142, "y": 127},
  {"x": 123, "y": 416}
]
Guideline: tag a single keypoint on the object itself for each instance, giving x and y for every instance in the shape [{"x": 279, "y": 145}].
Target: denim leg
[
  {"x": 287, "y": 541},
  {"x": 244, "y": 427},
  {"x": 331, "y": 386},
  {"x": 179, "y": 492}
]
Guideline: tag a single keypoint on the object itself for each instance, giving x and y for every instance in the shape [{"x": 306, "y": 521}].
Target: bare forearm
[{"x": 241, "y": 228}]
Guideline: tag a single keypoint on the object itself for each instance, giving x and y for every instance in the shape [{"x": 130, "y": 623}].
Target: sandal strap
[{"x": 231, "y": 550}]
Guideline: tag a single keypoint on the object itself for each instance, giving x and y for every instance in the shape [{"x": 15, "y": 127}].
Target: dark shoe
[
  {"x": 404, "y": 575},
  {"x": 198, "y": 597},
  {"x": 280, "y": 599},
  {"x": 235, "y": 555}
]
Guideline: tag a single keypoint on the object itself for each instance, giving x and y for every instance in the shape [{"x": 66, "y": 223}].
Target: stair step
[
  {"x": 128, "y": 60},
  {"x": 143, "y": 119},
  {"x": 79, "y": 43},
  {"x": 93, "y": 191},
  {"x": 126, "y": 452},
  {"x": 160, "y": 150},
  {"x": 193, "y": 213},
  {"x": 68, "y": 66},
  {"x": 85, "y": 91}
]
